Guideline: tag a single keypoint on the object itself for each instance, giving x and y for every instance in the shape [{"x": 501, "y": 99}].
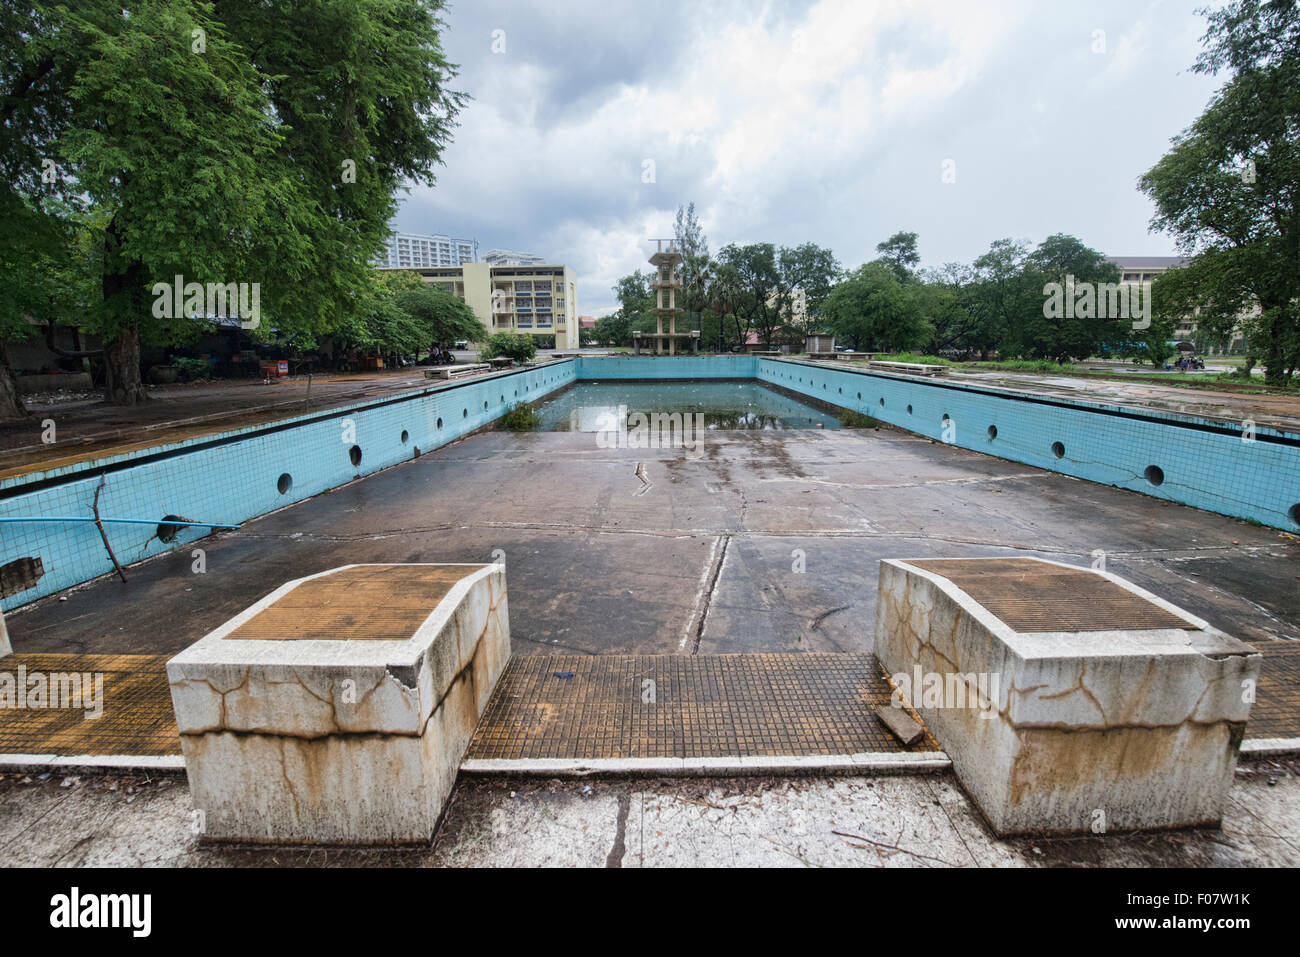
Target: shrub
[
  {"x": 519, "y": 347},
  {"x": 190, "y": 369},
  {"x": 521, "y": 418},
  {"x": 857, "y": 420}
]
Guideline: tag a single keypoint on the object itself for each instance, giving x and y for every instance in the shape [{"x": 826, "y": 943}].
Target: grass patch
[
  {"x": 915, "y": 359},
  {"x": 522, "y": 417},
  {"x": 856, "y": 420}
]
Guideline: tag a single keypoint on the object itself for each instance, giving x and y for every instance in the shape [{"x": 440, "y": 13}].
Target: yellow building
[{"x": 538, "y": 300}]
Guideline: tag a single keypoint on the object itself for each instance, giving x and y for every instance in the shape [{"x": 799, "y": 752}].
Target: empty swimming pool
[{"x": 594, "y": 406}]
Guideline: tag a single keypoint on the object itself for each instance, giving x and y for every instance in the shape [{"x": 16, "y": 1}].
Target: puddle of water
[{"x": 594, "y": 406}]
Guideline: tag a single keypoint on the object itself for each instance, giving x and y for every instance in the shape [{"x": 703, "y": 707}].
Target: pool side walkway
[{"x": 558, "y": 714}]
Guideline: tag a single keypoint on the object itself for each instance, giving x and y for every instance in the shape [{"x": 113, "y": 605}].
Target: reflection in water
[{"x": 595, "y": 406}]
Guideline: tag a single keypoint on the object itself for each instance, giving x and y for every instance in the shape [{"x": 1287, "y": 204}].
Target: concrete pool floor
[{"x": 706, "y": 560}]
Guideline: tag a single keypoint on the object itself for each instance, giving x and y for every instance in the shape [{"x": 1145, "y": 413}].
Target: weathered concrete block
[
  {"x": 1077, "y": 730},
  {"x": 304, "y": 719}
]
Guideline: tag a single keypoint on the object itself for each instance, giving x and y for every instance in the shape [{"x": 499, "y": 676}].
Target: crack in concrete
[
  {"x": 707, "y": 597},
  {"x": 615, "y": 858}
]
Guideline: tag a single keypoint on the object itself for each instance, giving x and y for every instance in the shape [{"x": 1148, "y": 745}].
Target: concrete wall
[
  {"x": 233, "y": 477},
  {"x": 1204, "y": 463}
]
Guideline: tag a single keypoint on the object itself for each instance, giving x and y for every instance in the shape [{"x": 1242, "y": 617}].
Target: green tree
[
  {"x": 635, "y": 303},
  {"x": 230, "y": 143},
  {"x": 899, "y": 253},
  {"x": 807, "y": 274},
  {"x": 695, "y": 269},
  {"x": 1001, "y": 296},
  {"x": 945, "y": 298},
  {"x": 1083, "y": 326},
  {"x": 440, "y": 318},
  {"x": 755, "y": 281},
  {"x": 1229, "y": 188},
  {"x": 873, "y": 310},
  {"x": 612, "y": 330}
]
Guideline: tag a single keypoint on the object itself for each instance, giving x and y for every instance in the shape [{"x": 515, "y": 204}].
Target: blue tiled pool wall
[
  {"x": 232, "y": 480},
  {"x": 667, "y": 367},
  {"x": 1208, "y": 467}
]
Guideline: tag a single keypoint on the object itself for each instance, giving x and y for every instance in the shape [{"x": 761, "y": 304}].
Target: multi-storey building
[
  {"x": 505, "y": 257},
  {"x": 1145, "y": 269},
  {"x": 411, "y": 251},
  {"x": 539, "y": 300}
]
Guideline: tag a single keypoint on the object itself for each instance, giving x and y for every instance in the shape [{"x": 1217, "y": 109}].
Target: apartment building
[
  {"x": 506, "y": 257},
  {"x": 538, "y": 300},
  {"x": 412, "y": 251},
  {"x": 1140, "y": 269}
]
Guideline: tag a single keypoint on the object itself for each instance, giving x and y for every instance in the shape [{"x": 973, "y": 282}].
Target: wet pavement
[{"x": 761, "y": 542}]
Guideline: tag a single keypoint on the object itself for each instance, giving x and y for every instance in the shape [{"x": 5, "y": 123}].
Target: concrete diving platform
[
  {"x": 338, "y": 708},
  {"x": 1069, "y": 700}
]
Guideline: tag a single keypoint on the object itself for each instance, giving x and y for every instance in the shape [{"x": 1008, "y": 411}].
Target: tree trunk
[
  {"x": 11, "y": 406},
  {"x": 1275, "y": 364},
  {"x": 122, "y": 384},
  {"x": 124, "y": 301}
]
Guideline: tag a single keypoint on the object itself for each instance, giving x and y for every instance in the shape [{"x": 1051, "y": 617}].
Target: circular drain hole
[
  {"x": 405, "y": 436},
  {"x": 993, "y": 431},
  {"x": 909, "y": 410},
  {"x": 354, "y": 454},
  {"x": 440, "y": 423},
  {"x": 1058, "y": 450},
  {"x": 1155, "y": 474},
  {"x": 1295, "y": 513},
  {"x": 464, "y": 413},
  {"x": 485, "y": 403},
  {"x": 167, "y": 531},
  {"x": 284, "y": 483},
  {"x": 859, "y": 396}
]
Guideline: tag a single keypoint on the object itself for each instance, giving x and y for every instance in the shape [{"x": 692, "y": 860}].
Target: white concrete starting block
[
  {"x": 1068, "y": 699},
  {"x": 338, "y": 709}
]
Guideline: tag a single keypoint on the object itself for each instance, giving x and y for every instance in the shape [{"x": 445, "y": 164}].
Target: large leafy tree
[
  {"x": 807, "y": 274},
  {"x": 945, "y": 296},
  {"x": 1071, "y": 333},
  {"x": 440, "y": 318},
  {"x": 1001, "y": 296},
  {"x": 900, "y": 254},
  {"x": 230, "y": 143},
  {"x": 872, "y": 309},
  {"x": 1229, "y": 188},
  {"x": 755, "y": 278}
]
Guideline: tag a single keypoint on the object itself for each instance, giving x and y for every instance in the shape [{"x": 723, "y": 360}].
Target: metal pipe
[{"x": 118, "y": 521}]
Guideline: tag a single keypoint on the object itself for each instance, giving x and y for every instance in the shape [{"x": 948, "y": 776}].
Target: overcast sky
[{"x": 828, "y": 122}]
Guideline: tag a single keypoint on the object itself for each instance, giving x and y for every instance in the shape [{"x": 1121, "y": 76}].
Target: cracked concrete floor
[
  {"x": 884, "y": 821},
  {"x": 768, "y": 542}
]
